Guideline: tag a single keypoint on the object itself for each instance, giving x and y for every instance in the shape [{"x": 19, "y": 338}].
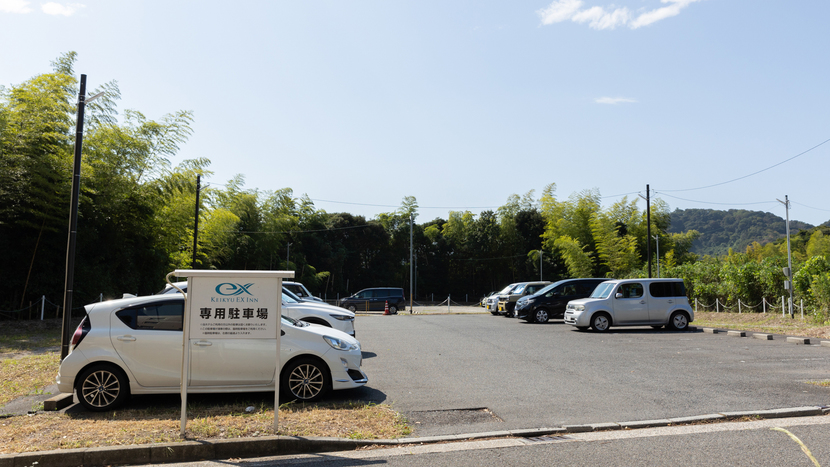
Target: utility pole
[
  {"x": 788, "y": 271},
  {"x": 196, "y": 222},
  {"x": 540, "y": 264},
  {"x": 647, "y": 197},
  {"x": 411, "y": 268},
  {"x": 69, "y": 283}
]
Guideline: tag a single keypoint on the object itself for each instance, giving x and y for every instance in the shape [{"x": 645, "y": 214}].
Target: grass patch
[
  {"x": 770, "y": 323},
  {"x": 825, "y": 383},
  {"x": 46, "y": 431},
  {"x": 25, "y": 376}
]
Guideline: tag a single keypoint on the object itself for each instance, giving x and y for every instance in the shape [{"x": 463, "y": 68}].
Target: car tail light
[{"x": 81, "y": 331}]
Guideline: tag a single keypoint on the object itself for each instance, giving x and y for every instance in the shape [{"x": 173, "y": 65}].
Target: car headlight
[
  {"x": 343, "y": 317},
  {"x": 576, "y": 307},
  {"x": 339, "y": 344}
]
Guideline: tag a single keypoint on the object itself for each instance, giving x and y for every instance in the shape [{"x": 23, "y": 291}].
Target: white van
[{"x": 633, "y": 302}]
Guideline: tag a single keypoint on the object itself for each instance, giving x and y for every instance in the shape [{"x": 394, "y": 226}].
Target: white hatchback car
[
  {"x": 134, "y": 346},
  {"x": 633, "y": 302}
]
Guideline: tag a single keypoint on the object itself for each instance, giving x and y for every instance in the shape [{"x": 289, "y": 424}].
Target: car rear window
[
  {"x": 155, "y": 317},
  {"x": 667, "y": 289}
]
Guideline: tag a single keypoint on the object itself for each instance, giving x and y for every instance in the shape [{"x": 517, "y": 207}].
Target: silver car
[{"x": 633, "y": 302}]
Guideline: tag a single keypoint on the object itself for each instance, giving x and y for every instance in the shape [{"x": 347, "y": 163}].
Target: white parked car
[
  {"x": 294, "y": 307},
  {"x": 134, "y": 346},
  {"x": 299, "y": 290},
  {"x": 492, "y": 302},
  {"x": 633, "y": 302}
]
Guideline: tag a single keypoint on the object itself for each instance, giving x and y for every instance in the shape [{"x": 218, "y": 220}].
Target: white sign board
[
  {"x": 224, "y": 308},
  {"x": 231, "y": 305}
]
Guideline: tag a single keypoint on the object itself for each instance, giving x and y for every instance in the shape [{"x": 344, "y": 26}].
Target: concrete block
[
  {"x": 736, "y": 333},
  {"x": 115, "y": 455},
  {"x": 645, "y": 424},
  {"x": 606, "y": 426},
  {"x": 697, "y": 418},
  {"x": 825, "y": 343},
  {"x": 58, "y": 402},
  {"x": 188, "y": 451},
  {"x": 535, "y": 432},
  {"x": 763, "y": 337},
  {"x": 578, "y": 428},
  {"x": 56, "y": 458},
  {"x": 799, "y": 340},
  {"x": 712, "y": 330}
]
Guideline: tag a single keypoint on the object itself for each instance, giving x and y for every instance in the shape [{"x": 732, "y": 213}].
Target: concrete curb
[{"x": 192, "y": 451}]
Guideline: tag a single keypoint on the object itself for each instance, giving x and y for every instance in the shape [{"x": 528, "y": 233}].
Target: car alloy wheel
[
  {"x": 600, "y": 322},
  {"x": 541, "y": 316},
  {"x": 102, "y": 387},
  {"x": 679, "y": 321},
  {"x": 306, "y": 379}
]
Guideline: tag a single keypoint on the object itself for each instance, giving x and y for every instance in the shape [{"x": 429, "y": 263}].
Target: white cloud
[
  {"x": 615, "y": 100},
  {"x": 14, "y": 6},
  {"x": 53, "y": 8},
  {"x": 598, "y": 17}
]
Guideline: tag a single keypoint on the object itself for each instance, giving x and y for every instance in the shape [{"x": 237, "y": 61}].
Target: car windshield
[
  {"x": 603, "y": 290},
  {"x": 519, "y": 289},
  {"x": 548, "y": 288},
  {"x": 507, "y": 289},
  {"x": 287, "y": 299}
]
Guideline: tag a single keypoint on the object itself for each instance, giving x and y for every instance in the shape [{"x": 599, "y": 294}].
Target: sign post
[{"x": 223, "y": 305}]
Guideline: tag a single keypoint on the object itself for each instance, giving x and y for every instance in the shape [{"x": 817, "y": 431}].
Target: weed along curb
[{"x": 192, "y": 451}]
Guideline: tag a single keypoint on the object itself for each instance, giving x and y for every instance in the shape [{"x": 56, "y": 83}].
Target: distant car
[
  {"x": 299, "y": 290},
  {"x": 307, "y": 311},
  {"x": 134, "y": 346},
  {"x": 633, "y": 302},
  {"x": 376, "y": 299},
  {"x": 483, "y": 302},
  {"x": 492, "y": 302},
  {"x": 507, "y": 301},
  {"x": 550, "y": 302}
]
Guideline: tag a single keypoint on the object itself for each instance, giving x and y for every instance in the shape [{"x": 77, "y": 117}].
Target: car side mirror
[{"x": 618, "y": 295}]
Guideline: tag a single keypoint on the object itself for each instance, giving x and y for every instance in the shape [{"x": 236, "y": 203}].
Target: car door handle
[
  {"x": 203, "y": 343},
  {"x": 126, "y": 338}
]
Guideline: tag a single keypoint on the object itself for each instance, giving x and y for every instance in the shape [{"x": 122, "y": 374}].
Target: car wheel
[
  {"x": 351, "y": 308},
  {"x": 393, "y": 310},
  {"x": 102, "y": 387},
  {"x": 541, "y": 316},
  {"x": 305, "y": 379},
  {"x": 600, "y": 322},
  {"x": 679, "y": 321}
]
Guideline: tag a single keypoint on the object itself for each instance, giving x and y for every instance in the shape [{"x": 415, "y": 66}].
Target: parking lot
[{"x": 465, "y": 373}]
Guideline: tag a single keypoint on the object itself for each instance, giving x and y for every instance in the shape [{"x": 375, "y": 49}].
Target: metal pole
[
  {"x": 789, "y": 284},
  {"x": 648, "y": 228},
  {"x": 540, "y": 265},
  {"x": 196, "y": 222},
  {"x": 73, "y": 224},
  {"x": 411, "y": 255}
]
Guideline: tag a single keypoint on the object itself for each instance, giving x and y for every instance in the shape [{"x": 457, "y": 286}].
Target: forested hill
[{"x": 735, "y": 228}]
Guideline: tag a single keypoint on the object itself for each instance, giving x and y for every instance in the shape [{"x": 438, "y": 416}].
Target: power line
[
  {"x": 754, "y": 173},
  {"x": 709, "y": 202}
]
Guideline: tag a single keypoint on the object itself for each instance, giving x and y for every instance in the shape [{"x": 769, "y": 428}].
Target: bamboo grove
[{"x": 137, "y": 204}]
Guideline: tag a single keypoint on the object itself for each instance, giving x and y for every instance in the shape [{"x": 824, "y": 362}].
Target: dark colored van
[
  {"x": 376, "y": 299},
  {"x": 550, "y": 302}
]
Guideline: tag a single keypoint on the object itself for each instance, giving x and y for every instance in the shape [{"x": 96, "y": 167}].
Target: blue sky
[{"x": 463, "y": 103}]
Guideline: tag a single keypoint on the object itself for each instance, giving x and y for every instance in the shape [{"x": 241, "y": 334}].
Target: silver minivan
[{"x": 633, "y": 302}]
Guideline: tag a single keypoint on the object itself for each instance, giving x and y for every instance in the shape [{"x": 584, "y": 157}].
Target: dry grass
[
  {"x": 46, "y": 430},
  {"x": 770, "y": 323},
  {"x": 25, "y": 376}
]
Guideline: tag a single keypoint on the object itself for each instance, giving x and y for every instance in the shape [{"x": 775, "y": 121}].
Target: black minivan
[
  {"x": 376, "y": 299},
  {"x": 550, "y": 302}
]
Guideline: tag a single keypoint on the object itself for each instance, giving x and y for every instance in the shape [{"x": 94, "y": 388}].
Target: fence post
[
  {"x": 783, "y": 307},
  {"x": 43, "y": 306},
  {"x": 448, "y": 303},
  {"x": 764, "y": 302},
  {"x": 717, "y": 307},
  {"x": 695, "y": 305},
  {"x": 739, "y": 306},
  {"x": 802, "y": 308}
]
